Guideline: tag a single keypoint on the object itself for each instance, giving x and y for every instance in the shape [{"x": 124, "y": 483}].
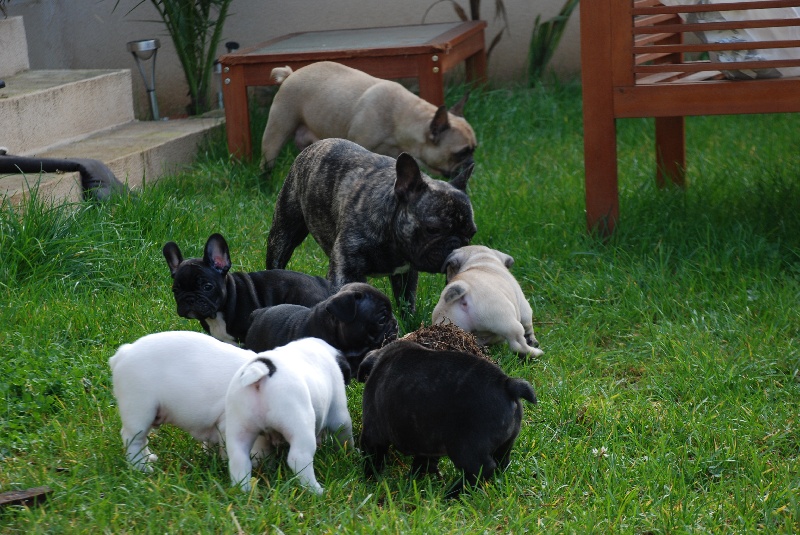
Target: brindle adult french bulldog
[
  {"x": 326, "y": 99},
  {"x": 371, "y": 214},
  {"x": 204, "y": 289}
]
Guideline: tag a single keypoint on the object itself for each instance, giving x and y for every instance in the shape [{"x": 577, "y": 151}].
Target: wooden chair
[{"x": 635, "y": 62}]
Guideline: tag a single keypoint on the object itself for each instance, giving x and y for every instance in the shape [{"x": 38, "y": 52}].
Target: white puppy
[
  {"x": 179, "y": 378},
  {"x": 482, "y": 297},
  {"x": 294, "y": 393}
]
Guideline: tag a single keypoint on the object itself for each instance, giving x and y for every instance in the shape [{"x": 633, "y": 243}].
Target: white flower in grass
[{"x": 601, "y": 453}]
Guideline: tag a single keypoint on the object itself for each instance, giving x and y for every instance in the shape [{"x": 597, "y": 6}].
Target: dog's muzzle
[
  {"x": 457, "y": 168},
  {"x": 192, "y": 307}
]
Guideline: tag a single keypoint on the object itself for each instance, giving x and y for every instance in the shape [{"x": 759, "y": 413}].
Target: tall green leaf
[{"x": 544, "y": 41}]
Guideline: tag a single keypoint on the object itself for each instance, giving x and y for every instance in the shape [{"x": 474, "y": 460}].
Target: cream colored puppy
[
  {"x": 329, "y": 100},
  {"x": 482, "y": 297}
]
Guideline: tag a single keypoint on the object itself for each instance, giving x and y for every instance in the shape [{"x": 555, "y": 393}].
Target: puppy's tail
[
  {"x": 279, "y": 74},
  {"x": 117, "y": 357},
  {"x": 520, "y": 388},
  {"x": 256, "y": 370}
]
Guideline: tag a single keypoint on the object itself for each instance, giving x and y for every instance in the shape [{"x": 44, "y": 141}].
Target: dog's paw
[
  {"x": 145, "y": 464},
  {"x": 535, "y": 352}
]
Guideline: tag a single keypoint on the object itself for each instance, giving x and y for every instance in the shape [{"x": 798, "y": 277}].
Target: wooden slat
[
  {"x": 652, "y": 20},
  {"x": 714, "y": 26},
  {"x": 708, "y": 47},
  {"x": 646, "y": 58},
  {"x": 703, "y": 75},
  {"x": 645, "y": 3},
  {"x": 725, "y": 66},
  {"x": 642, "y": 40},
  {"x": 775, "y": 95},
  {"x": 678, "y": 77},
  {"x": 658, "y": 78},
  {"x": 705, "y": 8}
]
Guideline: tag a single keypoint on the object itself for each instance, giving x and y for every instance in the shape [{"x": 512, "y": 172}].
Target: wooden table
[{"x": 425, "y": 52}]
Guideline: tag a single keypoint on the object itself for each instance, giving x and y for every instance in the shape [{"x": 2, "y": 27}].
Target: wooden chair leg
[
  {"x": 599, "y": 124},
  {"x": 600, "y": 163},
  {"x": 670, "y": 151}
]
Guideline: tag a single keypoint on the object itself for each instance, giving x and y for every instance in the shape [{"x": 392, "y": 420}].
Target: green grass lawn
[{"x": 668, "y": 391}]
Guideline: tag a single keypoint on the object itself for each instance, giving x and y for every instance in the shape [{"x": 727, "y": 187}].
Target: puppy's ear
[
  {"x": 216, "y": 254},
  {"x": 460, "y": 181},
  {"x": 453, "y": 263},
  {"x": 506, "y": 259},
  {"x": 366, "y": 366},
  {"x": 454, "y": 292},
  {"x": 409, "y": 181},
  {"x": 458, "y": 108},
  {"x": 172, "y": 254},
  {"x": 345, "y": 307},
  {"x": 439, "y": 124}
]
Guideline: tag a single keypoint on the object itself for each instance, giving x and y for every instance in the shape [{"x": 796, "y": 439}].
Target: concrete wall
[{"x": 79, "y": 34}]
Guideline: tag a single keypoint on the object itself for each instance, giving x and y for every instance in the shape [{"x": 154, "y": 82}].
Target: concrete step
[
  {"x": 41, "y": 109},
  {"x": 136, "y": 152}
]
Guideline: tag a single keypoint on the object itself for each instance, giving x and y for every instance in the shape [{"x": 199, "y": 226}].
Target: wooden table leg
[
  {"x": 476, "y": 68},
  {"x": 431, "y": 81},
  {"x": 237, "y": 116}
]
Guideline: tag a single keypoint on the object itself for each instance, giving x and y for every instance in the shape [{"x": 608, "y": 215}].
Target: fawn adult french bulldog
[
  {"x": 484, "y": 298},
  {"x": 290, "y": 394},
  {"x": 326, "y": 99},
  {"x": 371, "y": 214},
  {"x": 428, "y": 404},
  {"x": 178, "y": 378},
  {"x": 205, "y": 290},
  {"x": 355, "y": 320}
]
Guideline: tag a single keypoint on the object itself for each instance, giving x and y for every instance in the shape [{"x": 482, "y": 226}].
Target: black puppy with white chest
[
  {"x": 356, "y": 319},
  {"x": 429, "y": 404},
  {"x": 205, "y": 290},
  {"x": 371, "y": 214}
]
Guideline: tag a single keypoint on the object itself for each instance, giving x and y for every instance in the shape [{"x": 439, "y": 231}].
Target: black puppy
[
  {"x": 431, "y": 403},
  {"x": 222, "y": 301},
  {"x": 355, "y": 320}
]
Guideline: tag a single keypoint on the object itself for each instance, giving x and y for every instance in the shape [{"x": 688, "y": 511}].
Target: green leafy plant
[
  {"x": 195, "y": 27},
  {"x": 544, "y": 40}
]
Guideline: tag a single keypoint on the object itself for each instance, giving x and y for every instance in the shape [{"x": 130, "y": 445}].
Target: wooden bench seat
[{"x": 639, "y": 58}]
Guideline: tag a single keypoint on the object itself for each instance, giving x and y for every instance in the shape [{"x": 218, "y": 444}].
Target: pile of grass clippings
[{"x": 447, "y": 337}]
